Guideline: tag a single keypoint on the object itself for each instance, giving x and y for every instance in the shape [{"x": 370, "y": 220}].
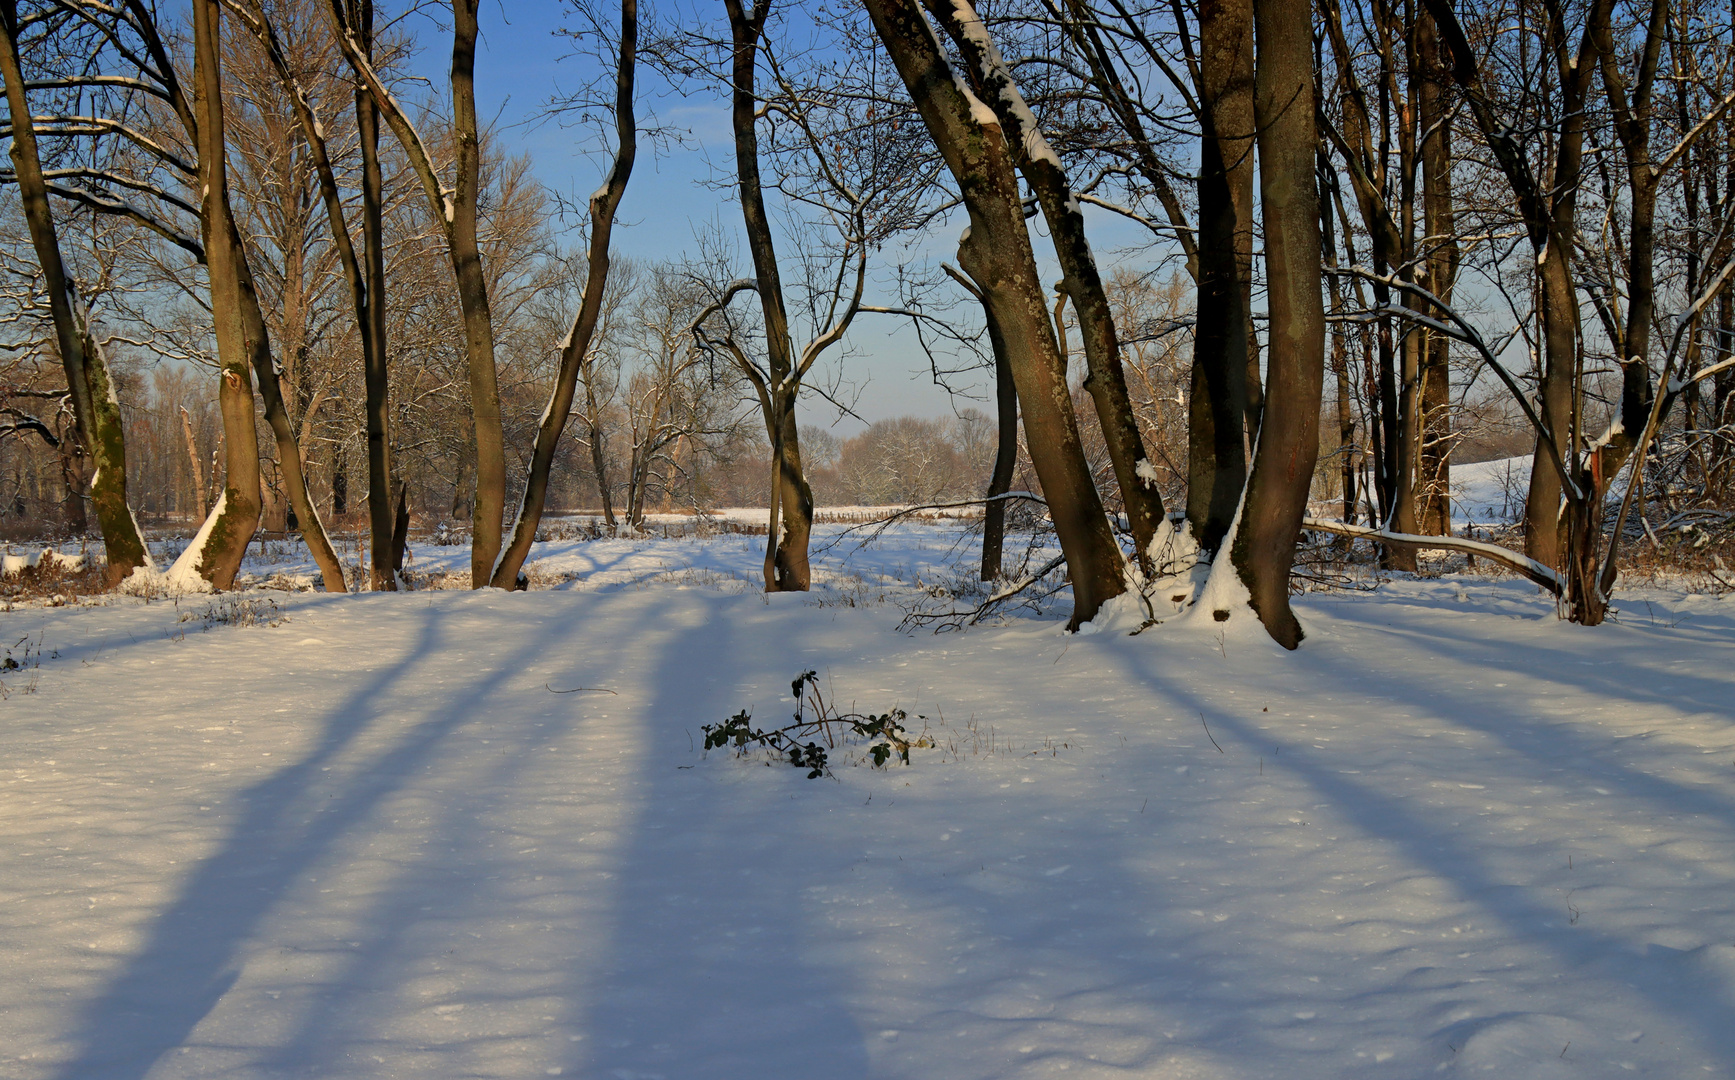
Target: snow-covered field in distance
[
  {"x": 1449, "y": 836},
  {"x": 1490, "y": 492}
]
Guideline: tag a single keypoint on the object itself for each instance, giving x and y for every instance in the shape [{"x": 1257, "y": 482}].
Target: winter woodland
[{"x": 451, "y": 628}]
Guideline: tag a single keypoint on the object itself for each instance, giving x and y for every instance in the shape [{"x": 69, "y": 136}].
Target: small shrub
[
  {"x": 815, "y": 719},
  {"x": 238, "y": 611}
]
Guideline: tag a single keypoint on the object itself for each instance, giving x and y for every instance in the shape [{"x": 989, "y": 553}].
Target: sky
[{"x": 522, "y": 63}]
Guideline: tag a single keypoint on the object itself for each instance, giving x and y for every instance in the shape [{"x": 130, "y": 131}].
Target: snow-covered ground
[
  {"x": 1450, "y": 835},
  {"x": 1490, "y": 492}
]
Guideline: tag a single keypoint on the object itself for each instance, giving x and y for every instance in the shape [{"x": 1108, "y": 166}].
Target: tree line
[{"x": 1400, "y": 211}]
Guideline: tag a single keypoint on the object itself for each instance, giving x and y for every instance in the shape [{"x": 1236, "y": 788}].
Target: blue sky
[{"x": 522, "y": 63}]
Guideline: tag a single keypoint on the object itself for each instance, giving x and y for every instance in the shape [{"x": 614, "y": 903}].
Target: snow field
[{"x": 1450, "y": 836}]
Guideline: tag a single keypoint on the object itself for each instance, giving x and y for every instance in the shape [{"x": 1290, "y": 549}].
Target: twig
[
  {"x": 580, "y": 690},
  {"x": 1208, "y": 734}
]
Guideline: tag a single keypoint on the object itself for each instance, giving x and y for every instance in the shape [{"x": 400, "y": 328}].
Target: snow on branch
[{"x": 1523, "y": 564}]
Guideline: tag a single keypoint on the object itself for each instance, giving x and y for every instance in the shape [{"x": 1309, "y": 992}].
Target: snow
[
  {"x": 993, "y": 69},
  {"x": 183, "y": 574},
  {"x": 1448, "y": 836},
  {"x": 1490, "y": 492},
  {"x": 16, "y": 564}
]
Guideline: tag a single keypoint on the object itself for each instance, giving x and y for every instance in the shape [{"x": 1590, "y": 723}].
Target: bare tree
[
  {"x": 576, "y": 348},
  {"x": 996, "y": 253},
  {"x": 455, "y": 211},
  {"x": 1082, "y": 282},
  {"x": 96, "y": 410}
]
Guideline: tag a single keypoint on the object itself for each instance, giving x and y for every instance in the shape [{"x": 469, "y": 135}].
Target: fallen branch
[
  {"x": 1512, "y": 560},
  {"x": 880, "y": 525},
  {"x": 954, "y": 619}
]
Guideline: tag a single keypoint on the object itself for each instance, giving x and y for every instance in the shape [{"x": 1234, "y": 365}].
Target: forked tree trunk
[
  {"x": 1548, "y": 211},
  {"x": 1288, "y": 445},
  {"x": 96, "y": 413},
  {"x": 575, "y": 351},
  {"x": 455, "y": 211},
  {"x": 1217, "y": 408},
  {"x": 1081, "y": 281},
  {"x": 996, "y": 253}
]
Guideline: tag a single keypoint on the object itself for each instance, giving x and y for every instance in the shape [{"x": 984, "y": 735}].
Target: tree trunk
[
  {"x": 400, "y": 531},
  {"x": 1346, "y": 448},
  {"x": 995, "y": 252},
  {"x": 488, "y": 513},
  {"x": 1288, "y": 446},
  {"x": 237, "y": 512},
  {"x": 200, "y": 494},
  {"x": 382, "y": 522},
  {"x": 96, "y": 412},
  {"x": 599, "y": 463},
  {"x": 1434, "y": 482},
  {"x": 1005, "y": 458},
  {"x": 1081, "y": 280},
  {"x": 1218, "y": 418},
  {"x": 575, "y": 352},
  {"x": 795, "y": 507},
  {"x": 786, "y": 561}
]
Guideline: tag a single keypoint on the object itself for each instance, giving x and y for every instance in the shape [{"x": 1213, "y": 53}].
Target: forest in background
[{"x": 258, "y": 273}]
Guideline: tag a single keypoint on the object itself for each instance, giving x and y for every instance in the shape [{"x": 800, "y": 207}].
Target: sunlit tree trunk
[
  {"x": 236, "y": 514},
  {"x": 1288, "y": 444},
  {"x": 575, "y": 351},
  {"x": 996, "y": 253}
]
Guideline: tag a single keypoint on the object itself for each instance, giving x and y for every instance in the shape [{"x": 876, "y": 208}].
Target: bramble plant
[{"x": 814, "y": 716}]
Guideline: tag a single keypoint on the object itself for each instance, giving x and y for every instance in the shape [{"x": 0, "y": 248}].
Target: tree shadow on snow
[{"x": 288, "y": 822}]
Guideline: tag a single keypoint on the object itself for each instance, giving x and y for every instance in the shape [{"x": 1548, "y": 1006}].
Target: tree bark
[
  {"x": 792, "y": 500},
  {"x": 575, "y": 352},
  {"x": 237, "y": 512},
  {"x": 1434, "y": 481},
  {"x": 1081, "y": 280},
  {"x": 487, "y": 517},
  {"x": 1288, "y": 446},
  {"x": 96, "y": 413},
  {"x": 995, "y": 252},
  {"x": 371, "y": 319},
  {"x": 1005, "y": 457},
  {"x": 1218, "y": 419}
]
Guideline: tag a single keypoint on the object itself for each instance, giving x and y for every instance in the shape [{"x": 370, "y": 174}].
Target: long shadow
[
  {"x": 186, "y": 964},
  {"x": 705, "y": 973},
  {"x": 416, "y": 914},
  {"x": 728, "y": 962},
  {"x": 1452, "y": 857},
  {"x": 1519, "y": 732},
  {"x": 1708, "y": 694}
]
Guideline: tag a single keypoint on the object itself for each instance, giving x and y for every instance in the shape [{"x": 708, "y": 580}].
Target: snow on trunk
[{"x": 184, "y": 575}]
